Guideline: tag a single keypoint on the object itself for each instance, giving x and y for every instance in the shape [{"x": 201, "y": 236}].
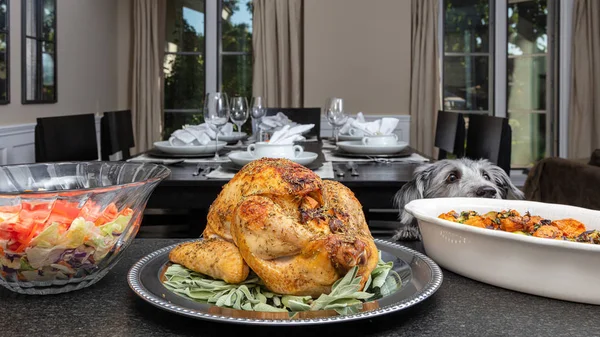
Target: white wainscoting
[
  {"x": 17, "y": 143},
  {"x": 402, "y": 130}
]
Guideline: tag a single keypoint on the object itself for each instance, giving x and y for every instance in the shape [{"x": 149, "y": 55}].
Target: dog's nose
[{"x": 486, "y": 192}]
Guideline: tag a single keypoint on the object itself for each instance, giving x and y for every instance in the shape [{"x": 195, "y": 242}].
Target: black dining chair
[
  {"x": 489, "y": 138},
  {"x": 450, "y": 134},
  {"x": 302, "y": 116},
  {"x": 116, "y": 134},
  {"x": 66, "y": 138}
]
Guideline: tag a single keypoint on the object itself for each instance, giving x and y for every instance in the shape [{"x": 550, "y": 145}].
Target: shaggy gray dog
[{"x": 451, "y": 178}]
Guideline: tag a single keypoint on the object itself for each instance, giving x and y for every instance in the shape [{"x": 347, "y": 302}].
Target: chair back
[
  {"x": 302, "y": 116},
  {"x": 489, "y": 138},
  {"x": 450, "y": 134},
  {"x": 116, "y": 134},
  {"x": 66, "y": 138}
]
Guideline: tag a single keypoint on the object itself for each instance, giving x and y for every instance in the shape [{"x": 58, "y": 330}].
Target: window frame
[
  {"x": 556, "y": 111},
  {"x": 39, "y": 40},
  {"x": 491, "y": 54},
  {"x": 220, "y": 52},
  {"x": 6, "y": 32},
  {"x": 187, "y": 53}
]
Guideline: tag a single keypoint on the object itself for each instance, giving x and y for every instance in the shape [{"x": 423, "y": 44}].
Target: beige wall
[
  {"x": 124, "y": 52},
  {"x": 92, "y": 61},
  {"x": 358, "y": 50}
]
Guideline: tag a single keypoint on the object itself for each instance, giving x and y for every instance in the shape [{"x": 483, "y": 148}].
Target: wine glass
[
  {"x": 216, "y": 114},
  {"x": 239, "y": 113},
  {"x": 335, "y": 114},
  {"x": 257, "y": 111}
]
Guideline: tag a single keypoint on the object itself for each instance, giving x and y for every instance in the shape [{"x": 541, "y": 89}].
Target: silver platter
[{"x": 421, "y": 278}]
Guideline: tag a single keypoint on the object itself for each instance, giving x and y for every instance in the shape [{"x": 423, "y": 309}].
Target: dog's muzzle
[{"x": 486, "y": 192}]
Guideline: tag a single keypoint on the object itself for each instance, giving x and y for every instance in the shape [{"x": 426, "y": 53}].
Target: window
[
  {"x": 184, "y": 68},
  {"x": 208, "y": 48},
  {"x": 4, "y": 52},
  {"x": 529, "y": 84},
  {"x": 468, "y": 62},
  {"x": 236, "y": 48},
  {"x": 505, "y": 69},
  {"x": 39, "y": 51}
]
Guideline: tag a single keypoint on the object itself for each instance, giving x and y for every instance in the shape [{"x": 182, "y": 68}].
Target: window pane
[
  {"x": 2, "y": 42},
  {"x": 467, "y": 26},
  {"x": 30, "y": 18},
  {"x": 237, "y": 75},
  {"x": 528, "y": 138},
  {"x": 236, "y": 25},
  {"x": 3, "y": 78},
  {"x": 31, "y": 61},
  {"x": 466, "y": 80},
  {"x": 527, "y": 27},
  {"x": 175, "y": 120},
  {"x": 49, "y": 20},
  {"x": 3, "y": 15},
  {"x": 48, "y": 76},
  {"x": 526, "y": 83},
  {"x": 185, "y": 26},
  {"x": 184, "y": 81}
]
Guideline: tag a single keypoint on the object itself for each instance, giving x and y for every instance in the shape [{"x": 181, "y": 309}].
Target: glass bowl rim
[{"x": 160, "y": 176}]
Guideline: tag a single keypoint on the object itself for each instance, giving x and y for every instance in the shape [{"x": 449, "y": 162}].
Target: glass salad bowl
[{"x": 63, "y": 226}]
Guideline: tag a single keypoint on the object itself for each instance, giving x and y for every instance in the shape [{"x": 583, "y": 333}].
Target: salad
[{"x": 42, "y": 241}]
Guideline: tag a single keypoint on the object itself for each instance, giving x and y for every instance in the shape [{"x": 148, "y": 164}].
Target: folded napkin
[
  {"x": 275, "y": 122},
  {"x": 198, "y": 134},
  {"x": 384, "y": 126},
  {"x": 289, "y": 135},
  {"x": 345, "y": 130}
]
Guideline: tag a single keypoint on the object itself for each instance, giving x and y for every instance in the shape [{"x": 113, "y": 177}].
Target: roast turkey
[{"x": 298, "y": 233}]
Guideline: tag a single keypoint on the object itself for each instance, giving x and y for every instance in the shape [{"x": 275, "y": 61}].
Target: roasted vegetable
[{"x": 527, "y": 224}]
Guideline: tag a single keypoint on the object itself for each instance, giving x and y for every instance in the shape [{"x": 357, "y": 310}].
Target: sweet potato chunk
[
  {"x": 570, "y": 227},
  {"x": 478, "y": 221},
  {"x": 548, "y": 232},
  {"x": 512, "y": 224},
  {"x": 450, "y": 216}
]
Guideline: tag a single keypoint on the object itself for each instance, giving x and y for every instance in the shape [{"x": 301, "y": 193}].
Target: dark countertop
[{"x": 461, "y": 307}]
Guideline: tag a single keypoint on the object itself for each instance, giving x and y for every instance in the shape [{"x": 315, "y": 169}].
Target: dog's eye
[
  {"x": 451, "y": 178},
  {"x": 485, "y": 176}
]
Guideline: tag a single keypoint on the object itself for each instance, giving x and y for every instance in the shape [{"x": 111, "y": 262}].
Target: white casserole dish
[{"x": 545, "y": 267}]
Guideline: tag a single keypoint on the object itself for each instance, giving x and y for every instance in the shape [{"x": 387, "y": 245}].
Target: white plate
[
  {"x": 545, "y": 267},
  {"x": 189, "y": 149},
  {"x": 359, "y": 148},
  {"x": 348, "y": 137},
  {"x": 243, "y": 158},
  {"x": 233, "y": 137}
]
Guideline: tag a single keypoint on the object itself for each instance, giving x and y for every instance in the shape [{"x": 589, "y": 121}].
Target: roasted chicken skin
[
  {"x": 298, "y": 233},
  {"x": 216, "y": 258}
]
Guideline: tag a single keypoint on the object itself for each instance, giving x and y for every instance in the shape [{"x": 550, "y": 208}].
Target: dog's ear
[
  {"x": 502, "y": 180},
  {"x": 413, "y": 190}
]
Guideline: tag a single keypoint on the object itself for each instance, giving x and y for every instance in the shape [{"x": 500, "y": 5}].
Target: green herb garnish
[{"x": 345, "y": 297}]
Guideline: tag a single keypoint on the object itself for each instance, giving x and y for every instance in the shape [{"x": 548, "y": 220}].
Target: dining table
[
  {"x": 460, "y": 307},
  {"x": 378, "y": 180}
]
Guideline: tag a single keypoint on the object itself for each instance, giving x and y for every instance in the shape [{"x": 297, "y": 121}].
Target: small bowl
[{"x": 63, "y": 226}]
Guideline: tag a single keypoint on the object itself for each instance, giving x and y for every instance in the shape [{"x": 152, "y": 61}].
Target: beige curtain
[
  {"x": 277, "y": 44},
  {"x": 146, "y": 85},
  {"x": 584, "y": 103},
  {"x": 424, "y": 76}
]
